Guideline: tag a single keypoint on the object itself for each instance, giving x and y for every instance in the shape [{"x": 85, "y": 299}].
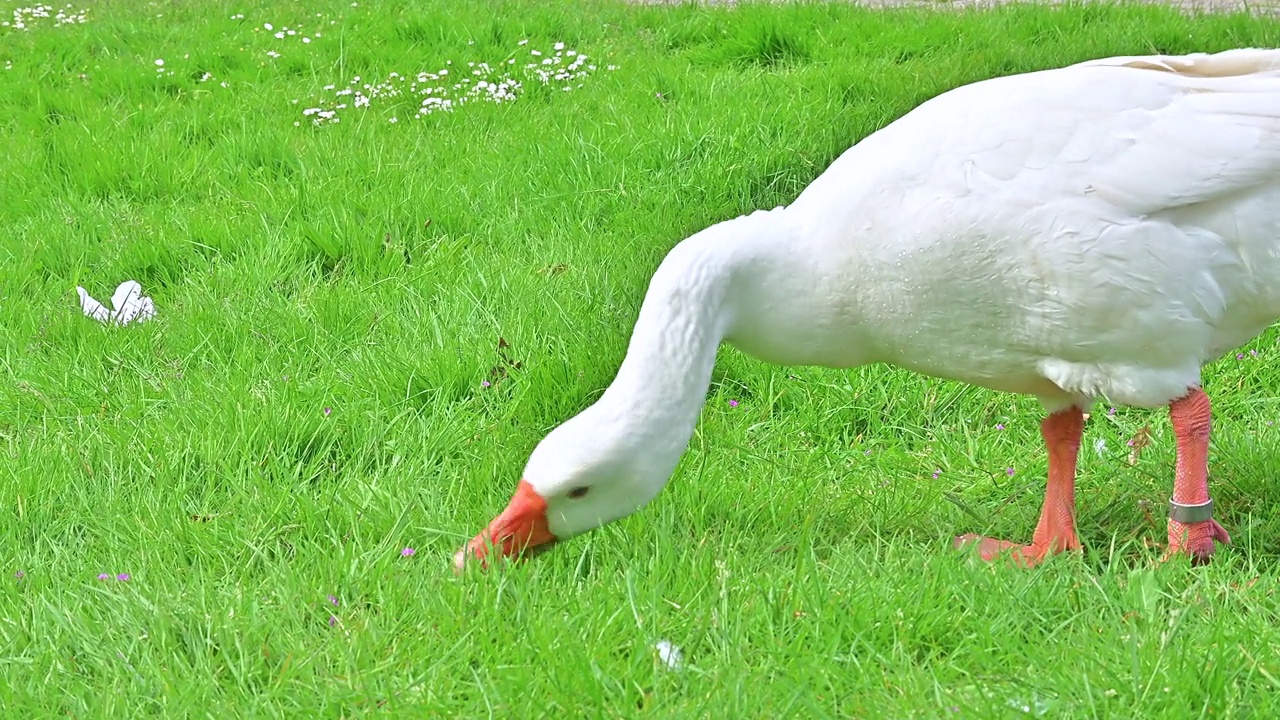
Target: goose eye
[{"x": 578, "y": 492}]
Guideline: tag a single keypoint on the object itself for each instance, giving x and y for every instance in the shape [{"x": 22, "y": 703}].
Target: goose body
[{"x": 1099, "y": 230}]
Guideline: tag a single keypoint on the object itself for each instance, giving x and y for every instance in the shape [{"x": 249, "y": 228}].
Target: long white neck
[
  {"x": 661, "y": 386},
  {"x": 644, "y": 420}
]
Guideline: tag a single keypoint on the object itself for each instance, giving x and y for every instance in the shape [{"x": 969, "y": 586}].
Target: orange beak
[{"x": 521, "y": 528}]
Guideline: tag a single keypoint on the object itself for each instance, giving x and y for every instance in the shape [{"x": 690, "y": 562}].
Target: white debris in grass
[
  {"x": 25, "y": 18},
  {"x": 128, "y": 304},
  {"x": 669, "y": 654},
  {"x": 561, "y": 68}
]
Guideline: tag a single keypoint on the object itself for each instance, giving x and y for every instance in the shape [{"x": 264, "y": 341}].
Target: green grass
[{"x": 801, "y": 556}]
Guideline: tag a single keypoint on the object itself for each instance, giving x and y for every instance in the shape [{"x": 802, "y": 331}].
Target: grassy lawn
[{"x": 369, "y": 314}]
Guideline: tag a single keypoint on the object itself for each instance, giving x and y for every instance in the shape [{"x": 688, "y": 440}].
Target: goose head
[{"x": 582, "y": 475}]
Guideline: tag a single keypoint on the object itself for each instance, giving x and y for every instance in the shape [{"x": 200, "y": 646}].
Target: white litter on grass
[
  {"x": 669, "y": 654},
  {"x": 128, "y": 302}
]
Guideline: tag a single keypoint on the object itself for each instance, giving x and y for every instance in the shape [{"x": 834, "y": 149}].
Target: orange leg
[
  {"x": 1191, "y": 418},
  {"x": 1056, "y": 530}
]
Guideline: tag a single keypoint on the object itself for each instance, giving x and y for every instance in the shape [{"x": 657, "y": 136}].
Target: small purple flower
[
  {"x": 327, "y": 411},
  {"x": 484, "y": 383},
  {"x": 104, "y": 576},
  {"x": 19, "y": 575},
  {"x": 408, "y": 552},
  {"x": 1239, "y": 356},
  {"x": 1009, "y": 471},
  {"x": 123, "y": 577},
  {"x": 733, "y": 403},
  {"x": 333, "y": 620},
  {"x": 1254, "y": 353},
  {"x": 1111, "y": 411},
  {"x": 999, "y": 426},
  {"x": 333, "y": 600},
  {"x": 936, "y": 473}
]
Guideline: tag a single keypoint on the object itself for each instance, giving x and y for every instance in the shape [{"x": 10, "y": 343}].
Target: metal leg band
[{"x": 1190, "y": 513}]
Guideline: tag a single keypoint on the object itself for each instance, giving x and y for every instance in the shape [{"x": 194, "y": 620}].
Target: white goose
[{"x": 1099, "y": 230}]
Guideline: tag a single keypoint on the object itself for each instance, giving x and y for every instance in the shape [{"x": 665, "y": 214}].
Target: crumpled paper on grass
[
  {"x": 670, "y": 654},
  {"x": 128, "y": 304}
]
